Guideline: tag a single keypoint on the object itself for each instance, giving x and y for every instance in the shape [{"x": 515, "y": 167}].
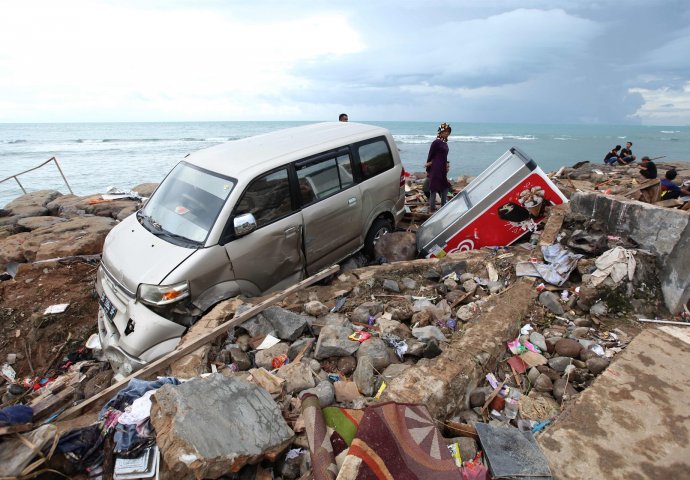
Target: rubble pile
[{"x": 319, "y": 384}]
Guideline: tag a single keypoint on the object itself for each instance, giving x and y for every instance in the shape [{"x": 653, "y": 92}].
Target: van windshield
[{"x": 185, "y": 206}]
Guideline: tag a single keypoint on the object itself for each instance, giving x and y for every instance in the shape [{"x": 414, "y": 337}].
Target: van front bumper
[{"x": 131, "y": 335}]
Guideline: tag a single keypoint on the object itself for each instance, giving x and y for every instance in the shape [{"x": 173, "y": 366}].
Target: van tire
[{"x": 381, "y": 226}]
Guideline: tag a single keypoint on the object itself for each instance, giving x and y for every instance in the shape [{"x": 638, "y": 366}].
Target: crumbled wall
[{"x": 663, "y": 231}]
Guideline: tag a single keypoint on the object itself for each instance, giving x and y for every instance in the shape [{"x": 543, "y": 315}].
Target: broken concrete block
[
  {"x": 333, "y": 342},
  {"x": 377, "y": 351},
  {"x": 297, "y": 377},
  {"x": 213, "y": 426},
  {"x": 364, "y": 377},
  {"x": 288, "y": 325}
]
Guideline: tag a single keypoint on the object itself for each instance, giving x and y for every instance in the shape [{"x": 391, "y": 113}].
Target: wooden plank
[
  {"x": 644, "y": 185},
  {"x": 461, "y": 429},
  {"x": 52, "y": 403},
  {"x": 164, "y": 361},
  {"x": 18, "y": 428}
]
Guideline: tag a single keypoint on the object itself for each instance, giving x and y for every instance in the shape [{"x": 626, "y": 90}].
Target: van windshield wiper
[
  {"x": 148, "y": 219},
  {"x": 165, "y": 233}
]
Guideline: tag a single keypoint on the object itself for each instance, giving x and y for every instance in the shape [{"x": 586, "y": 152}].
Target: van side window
[
  {"x": 374, "y": 158},
  {"x": 323, "y": 178},
  {"x": 267, "y": 198}
]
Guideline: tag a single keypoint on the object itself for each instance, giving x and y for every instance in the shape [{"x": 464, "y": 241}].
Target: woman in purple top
[{"x": 437, "y": 167}]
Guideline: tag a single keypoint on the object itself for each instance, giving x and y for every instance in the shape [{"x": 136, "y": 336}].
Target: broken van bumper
[{"x": 130, "y": 334}]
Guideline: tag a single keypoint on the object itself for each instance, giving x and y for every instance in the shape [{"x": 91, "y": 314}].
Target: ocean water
[{"x": 96, "y": 156}]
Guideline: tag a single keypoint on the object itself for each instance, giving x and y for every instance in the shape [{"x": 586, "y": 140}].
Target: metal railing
[{"x": 53, "y": 159}]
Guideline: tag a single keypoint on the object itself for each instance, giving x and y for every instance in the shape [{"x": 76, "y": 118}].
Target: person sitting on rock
[
  {"x": 648, "y": 168},
  {"x": 612, "y": 157},
  {"x": 626, "y": 156},
  {"x": 670, "y": 190}
]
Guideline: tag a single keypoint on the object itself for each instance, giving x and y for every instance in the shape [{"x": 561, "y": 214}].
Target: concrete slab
[{"x": 634, "y": 421}]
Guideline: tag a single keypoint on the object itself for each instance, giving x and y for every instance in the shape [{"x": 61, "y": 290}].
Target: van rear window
[{"x": 375, "y": 158}]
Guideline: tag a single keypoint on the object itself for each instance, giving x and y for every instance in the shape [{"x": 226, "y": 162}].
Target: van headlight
[{"x": 159, "y": 295}]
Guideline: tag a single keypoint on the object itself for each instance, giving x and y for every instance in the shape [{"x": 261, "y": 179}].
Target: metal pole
[
  {"x": 63, "y": 175},
  {"x": 19, "y": 183}
]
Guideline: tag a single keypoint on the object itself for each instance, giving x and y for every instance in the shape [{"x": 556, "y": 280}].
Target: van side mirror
[{"x": 244, "y": 224}]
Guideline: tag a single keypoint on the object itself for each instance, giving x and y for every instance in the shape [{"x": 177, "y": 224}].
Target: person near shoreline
[
  {"x": 613, "y": 156},
  {"x": 437, "y": 167},
  {"x": 343, "y": 117},
  {"x": 648, "y": 168},
  {"x": 670, "y": 190},
  {"x": 626, "y": 156}
]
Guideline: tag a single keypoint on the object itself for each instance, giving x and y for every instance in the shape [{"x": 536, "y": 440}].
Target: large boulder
[
  {"x": 214, "y": 426},
  {"x": 11, "y": 249},
  {"x": 77, "y": 236},
  {"x": 40, "y": 198},
  {"x": 396, "y": 246}
]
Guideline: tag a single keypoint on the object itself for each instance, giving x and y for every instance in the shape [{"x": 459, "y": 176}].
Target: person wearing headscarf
[{"x": 437, "y": 167}]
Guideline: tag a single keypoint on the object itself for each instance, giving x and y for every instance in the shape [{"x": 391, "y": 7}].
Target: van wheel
[{"x": 380, "y": 227}]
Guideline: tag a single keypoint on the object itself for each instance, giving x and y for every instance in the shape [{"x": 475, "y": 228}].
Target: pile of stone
[{"x": 46, "y": 224}]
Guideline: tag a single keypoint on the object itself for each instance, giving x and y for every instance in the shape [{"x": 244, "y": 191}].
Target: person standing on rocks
[{"x": 437, "y": 167}]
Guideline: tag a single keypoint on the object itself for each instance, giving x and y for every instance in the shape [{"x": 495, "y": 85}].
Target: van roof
[{"x": 260, "y": 153}]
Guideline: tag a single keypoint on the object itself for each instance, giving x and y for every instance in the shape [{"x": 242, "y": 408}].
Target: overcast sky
[{"x": 570, "y": 61}]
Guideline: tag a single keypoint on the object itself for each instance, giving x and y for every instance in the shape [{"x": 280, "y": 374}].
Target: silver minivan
[{"x": 242, "y": 218}]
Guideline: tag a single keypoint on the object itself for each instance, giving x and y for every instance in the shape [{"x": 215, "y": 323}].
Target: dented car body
[{"x": 246, "y": 217}]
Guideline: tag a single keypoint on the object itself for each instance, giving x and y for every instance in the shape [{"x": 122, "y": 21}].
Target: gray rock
[
  {"x": 391, "y": 286},
  {"x": 264, "y": 358},
  {"x": 257, "y": 325},
  {"x": 538, "y": 339},
  {"x": 362, "y": 313},
  {"x": 393, "y": 371},
  {"x": 393, "y": 327},
  {"x": 415, "y": 348},
  {"x": 465, "y": 277},
  {"x": 347, "y": 365},
  {"x": 466, "y": 312},
  {"x": 408, "y": 284},
  {"x": 580, "y": 332},
  {"x": 599, "y": 309},
  {"x": 324, "y": 391},
  {"x": 333, "y": 342},
  {"x": 532, "y": 375},
  {"x": 297, "y": 377},
  {"x": 299, "y": 345},
  {"x": 426, "y": 333},
  {"x": 193, "y": 438},
  {"x": 315, "y": 309},
  {"x": 560, "y": 363},
  {"x": 288, "y": 325},
  {"x": 567, "y": 347},
  {"x": 596, "y": 365},
  {"x": 582, "y": 322},
  {"x": 377, "y": 351},
  {"x": 495, "y": 286},
  {"x": 315, "y": 365},
  {"x": 239, "y": 358},
  {"x": 364, "y": 376},
  {"x": 450, "y": 284},
  {"x": 400, "y": 310},
  {"x": 551, "y": 301},
  {"x": 543, "y": 383},
  {"x": 469, "y": 286},
  {"x": 563, "y": 390},
  {"x": 590, "y": 243}
]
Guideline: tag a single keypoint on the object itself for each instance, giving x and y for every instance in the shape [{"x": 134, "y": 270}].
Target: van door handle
[
  {"x": 352, "y": 201},
  {"x": 290, "y": 230}
]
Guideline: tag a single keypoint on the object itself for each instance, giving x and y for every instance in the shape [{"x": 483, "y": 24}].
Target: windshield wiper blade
[
  {"x": 165, "y": 233},
  {"x": 141, "y": 216}
]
